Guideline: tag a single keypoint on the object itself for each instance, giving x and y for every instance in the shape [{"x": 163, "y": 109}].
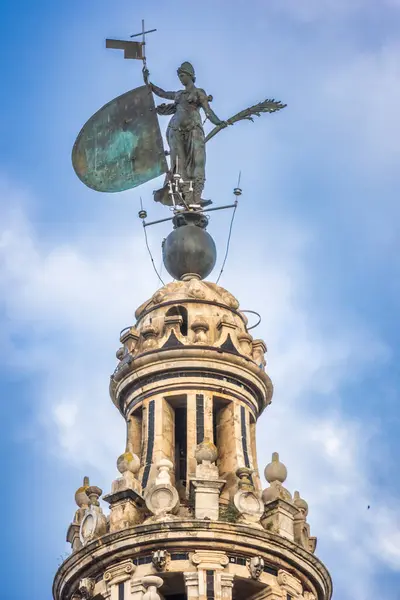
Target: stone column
[
  {"x": 229, "y": 448},
  {"x": 191, "y": 434},
  {"x": 210, "y": 564},
  {"x": 290, "y": 584},
  {"x": 119, "y": 575},
  {"x": 234, "y": 445},
  {"x": 158, "y": 433},
  {"x": 208, "y": 417},
  {"x": 164, "y": 442},
  {"x": 192, "y": 585},
  {"x": 137, "y": 589},
  {"x": 226, "y": 581},
  {"x": 253, "y": 451},
  {"x": 146, "y": 457},
  {"x": 134, "y": 432}
]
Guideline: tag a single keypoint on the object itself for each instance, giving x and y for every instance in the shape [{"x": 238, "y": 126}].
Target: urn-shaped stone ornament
[
  {"x": 246, "y": 499},
  {"x": 94, "y": 522},
  {"x": 162, "y": 498}
]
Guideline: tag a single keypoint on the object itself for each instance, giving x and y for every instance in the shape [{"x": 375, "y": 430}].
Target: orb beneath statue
[{"x": 189, "y": 250}]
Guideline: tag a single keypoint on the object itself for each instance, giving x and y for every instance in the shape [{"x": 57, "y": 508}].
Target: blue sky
[{"x": 315, "y": 250}]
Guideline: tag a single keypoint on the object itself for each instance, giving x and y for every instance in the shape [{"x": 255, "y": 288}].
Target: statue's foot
[{"x": 204, "y": 203}]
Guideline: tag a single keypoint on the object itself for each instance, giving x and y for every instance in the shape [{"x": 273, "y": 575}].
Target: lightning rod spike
[{"x": 237, "y": 190}]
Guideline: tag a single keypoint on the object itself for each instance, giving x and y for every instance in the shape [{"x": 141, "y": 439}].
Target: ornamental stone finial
[
  {"x": 302, "y": 535},
  {"x": 128, "y": 462},
  {"x": 82, "y": 500},
  {"x": 81, "y": 497},
  {"x": 206, "y": 452},
  {"x": 300, "y": 503},
  {"x": 94, "y": 494},
  {"x": 246, "y": 499},
  {"x": 164, "y": 467},
  {"x": 275, "y": 473},
  {"x": 275, "y": 470},
  {"x": 94, "y": 522}
]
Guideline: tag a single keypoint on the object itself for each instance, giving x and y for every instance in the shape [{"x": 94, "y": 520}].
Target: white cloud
[
  {"x": 74, "y": 297},
  {"x": 365, "y": 94},
  {"x": 310, "y": 11}
]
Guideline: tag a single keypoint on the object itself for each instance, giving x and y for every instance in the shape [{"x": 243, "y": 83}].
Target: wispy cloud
[
  {"x": 72, "y": 298},
  {"x": 64, "y": 297}
]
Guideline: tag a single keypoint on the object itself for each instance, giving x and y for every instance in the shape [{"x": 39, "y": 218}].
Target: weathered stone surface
[{"x": 191, "y": 384}]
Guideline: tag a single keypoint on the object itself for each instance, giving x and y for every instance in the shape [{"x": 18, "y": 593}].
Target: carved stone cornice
[
  {"x": 192, "y": 535},
  {"x": 202, "y": 356}
]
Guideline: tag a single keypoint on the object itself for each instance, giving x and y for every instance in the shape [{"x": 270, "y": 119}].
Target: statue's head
[{"x": 186, "y": 73}]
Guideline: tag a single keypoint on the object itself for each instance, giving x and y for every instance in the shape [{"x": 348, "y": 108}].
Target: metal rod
[
  {"x": 205, "y": 210},
  {"x": 141, "y": 33},
  {"x": 220, "y": 207}
]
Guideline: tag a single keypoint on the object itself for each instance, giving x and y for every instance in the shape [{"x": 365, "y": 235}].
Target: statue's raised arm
[{"x": 155, "y": 89}]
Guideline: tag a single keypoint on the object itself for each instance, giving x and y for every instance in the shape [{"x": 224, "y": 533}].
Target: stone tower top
[
  {"x": 189, "y": 330},
  {"x": 189, "y": 504}
]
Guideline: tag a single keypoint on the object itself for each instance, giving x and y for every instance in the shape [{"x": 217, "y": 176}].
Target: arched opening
[{"x": 182, "y": 312}]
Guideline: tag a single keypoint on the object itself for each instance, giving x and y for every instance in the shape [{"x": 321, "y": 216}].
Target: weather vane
[{"x": 121, "y": 145}]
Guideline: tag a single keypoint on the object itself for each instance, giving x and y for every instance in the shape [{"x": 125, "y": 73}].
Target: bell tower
[{"x": 187, "y": 517}]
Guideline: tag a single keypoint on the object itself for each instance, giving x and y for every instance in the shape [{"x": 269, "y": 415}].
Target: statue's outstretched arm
[
  {"x": 162, "y": 93},
  {"x": 154, "y": 88},
  {"x": 210, "y": 114}
]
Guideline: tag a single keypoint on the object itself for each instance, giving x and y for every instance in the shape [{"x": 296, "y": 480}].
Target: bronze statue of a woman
[
  {"x": 121, "y": 146},
  {"x": 185, "y": 133}
]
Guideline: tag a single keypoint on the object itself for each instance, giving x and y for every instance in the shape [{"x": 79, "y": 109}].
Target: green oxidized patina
[{"x": 120, "y": 147}]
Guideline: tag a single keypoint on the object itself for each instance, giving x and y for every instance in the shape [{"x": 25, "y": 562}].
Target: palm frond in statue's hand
[{"x": 268, "y": 106}]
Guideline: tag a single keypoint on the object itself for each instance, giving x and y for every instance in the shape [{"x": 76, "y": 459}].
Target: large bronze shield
[{"x": 120, "y": 147}]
